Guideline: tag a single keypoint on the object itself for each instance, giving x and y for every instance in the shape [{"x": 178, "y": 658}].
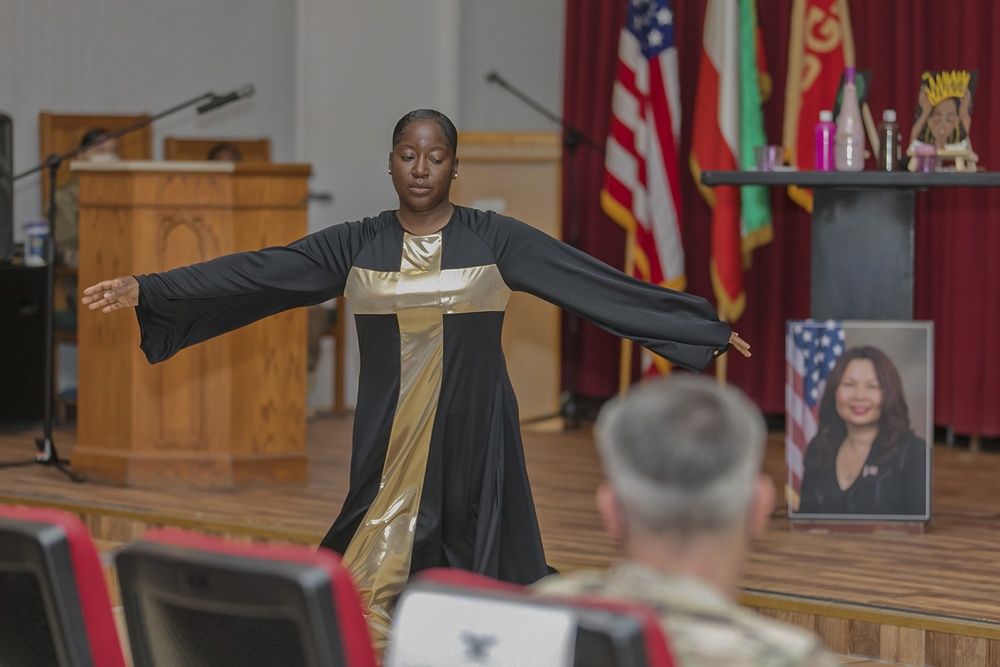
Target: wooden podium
[{"x": 228, "y": 412}]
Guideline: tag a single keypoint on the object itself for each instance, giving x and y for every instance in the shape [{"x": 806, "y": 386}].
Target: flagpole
[
  {"x": 721, "y": 369},
  {"x": 625, "y": 369},
  {"x": 721, "y": 365}
]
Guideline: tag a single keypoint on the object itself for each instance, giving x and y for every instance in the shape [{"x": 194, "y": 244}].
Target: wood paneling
[{"x": 892, "y": 638}]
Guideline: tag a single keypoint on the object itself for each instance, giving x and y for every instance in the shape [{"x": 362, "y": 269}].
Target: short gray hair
[{"x": 682, "y": 453}]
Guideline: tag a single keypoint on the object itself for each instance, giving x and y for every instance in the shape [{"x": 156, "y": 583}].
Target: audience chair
[
  {"x": 455, "y": 617},
  {"x": 178, "y": 148},
  {"x": 64, "y": 402},
  {"x": 64, "y": 325},
  {"x": 191, "y": 599},
  {"x": 54, "y": 604},
  {"x": 328, "y": 322},
  {"x": 336, "y": 331}
]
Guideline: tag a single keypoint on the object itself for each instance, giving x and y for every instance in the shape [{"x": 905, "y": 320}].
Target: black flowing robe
[
  {"x": 437, "y": 470},
  {"x": 890, "y": 484}
]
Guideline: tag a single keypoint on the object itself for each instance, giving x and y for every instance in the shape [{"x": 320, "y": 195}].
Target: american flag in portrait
[{"x": 811, "y": 351}]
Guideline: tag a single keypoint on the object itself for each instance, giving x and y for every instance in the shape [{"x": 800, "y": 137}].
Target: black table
[{"x": 862, "y": 235}]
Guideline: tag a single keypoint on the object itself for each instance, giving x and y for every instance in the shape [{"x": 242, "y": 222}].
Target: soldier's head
[
  {"x": 97, "y": 145},
  {"x": 682, "y": 457}
]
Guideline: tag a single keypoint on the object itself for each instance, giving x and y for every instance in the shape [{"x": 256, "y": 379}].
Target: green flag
[{"x": 755, "y": 85}]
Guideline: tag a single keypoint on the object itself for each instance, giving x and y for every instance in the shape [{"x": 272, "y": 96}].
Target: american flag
[
  {"x": 642, "y": 175},
  {"x": 811, "y": 352}
]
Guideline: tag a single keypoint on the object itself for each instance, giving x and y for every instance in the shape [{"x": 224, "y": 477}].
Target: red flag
[
  {"x": 820, "y": 46},
  {"x": 642, "y": 180},
  {"x": 728, "y": 125}
]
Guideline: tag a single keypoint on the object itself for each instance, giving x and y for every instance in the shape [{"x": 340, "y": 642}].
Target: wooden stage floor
[{"x": 911, "y": 599}]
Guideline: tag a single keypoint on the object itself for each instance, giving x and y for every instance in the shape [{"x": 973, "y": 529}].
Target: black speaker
[
  {"x": 22, "y": 345},
  {"x": 6, "y": 189}
]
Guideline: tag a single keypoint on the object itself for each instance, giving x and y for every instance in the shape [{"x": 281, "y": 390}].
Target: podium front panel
[{"x": 224, "y": 413}]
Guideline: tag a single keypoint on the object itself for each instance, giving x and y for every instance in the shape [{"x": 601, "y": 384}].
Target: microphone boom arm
[
  {"x": 572, "y": 136},
  {"x": 114, "y": 135},
  {"x": 222, "y": 100}
]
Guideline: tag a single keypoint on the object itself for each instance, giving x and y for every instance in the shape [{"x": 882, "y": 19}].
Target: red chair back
[
  {"x": 54, "y": 602},
  {"x": 194, "y": 599}
]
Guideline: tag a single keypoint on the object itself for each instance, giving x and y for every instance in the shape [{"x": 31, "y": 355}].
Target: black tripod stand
[
  {"x": 572, "y": 138},
  {"x": 45, "y": 448}
]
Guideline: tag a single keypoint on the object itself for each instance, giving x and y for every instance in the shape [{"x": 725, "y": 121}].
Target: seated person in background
[
  {"x": 684, "y": 496},
  {"x": 95, "y": 146},
  {"x": 225, "y": 151}
]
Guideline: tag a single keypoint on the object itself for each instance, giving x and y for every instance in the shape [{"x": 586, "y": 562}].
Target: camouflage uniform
[
  {"x": 704, "y": 629},
  {"x": 67, "y": 222}
]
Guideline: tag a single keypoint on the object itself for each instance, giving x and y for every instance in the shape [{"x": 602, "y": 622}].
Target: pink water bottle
[{"x": 825, "y": 131}]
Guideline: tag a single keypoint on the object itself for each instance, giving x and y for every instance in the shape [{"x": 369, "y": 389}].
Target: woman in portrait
[{"x": 865, "y": 458}]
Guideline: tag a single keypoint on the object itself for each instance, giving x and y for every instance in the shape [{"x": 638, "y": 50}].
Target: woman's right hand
[
  {"x": 924, "y": 102},
  {"x": 110, "y": 295}
]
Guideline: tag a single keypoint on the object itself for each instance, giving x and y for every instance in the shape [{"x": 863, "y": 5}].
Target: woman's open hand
[
  {"x": 110, "y": 295},
  {"x": 739, "y": 344}
]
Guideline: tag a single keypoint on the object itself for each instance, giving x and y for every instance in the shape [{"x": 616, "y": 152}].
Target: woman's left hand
[{"x": 739, "y": 344}]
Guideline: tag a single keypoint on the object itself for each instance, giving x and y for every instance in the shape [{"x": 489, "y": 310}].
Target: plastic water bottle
[
  {"x": 825, "y": 131},
  {"x": 849, "y": 151},
  {"x": 890, "y": 150},
  {"x": 35, "y": 232}
]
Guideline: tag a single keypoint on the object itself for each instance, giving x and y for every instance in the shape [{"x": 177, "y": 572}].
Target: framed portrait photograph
[{"x": 858, "y": 419}]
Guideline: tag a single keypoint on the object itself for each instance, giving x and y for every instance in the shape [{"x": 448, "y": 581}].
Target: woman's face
[
  {"x": 859, "y": 396},
  {"x": 422, "y": 166},
  {"x": 943, "y": 120}
]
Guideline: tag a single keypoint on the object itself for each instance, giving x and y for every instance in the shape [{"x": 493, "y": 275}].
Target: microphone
[
  {"x": 222, "y": 100},
  {"x": 493, "y": 77}
]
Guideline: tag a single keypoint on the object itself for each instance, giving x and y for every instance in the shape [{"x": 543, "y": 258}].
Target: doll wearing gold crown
[{"x": 944, "y": 113}]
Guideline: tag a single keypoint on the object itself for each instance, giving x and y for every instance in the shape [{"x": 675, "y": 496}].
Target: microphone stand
[
  {"x": 45, "y": 448},
  {"x": 571, "y": 140}
]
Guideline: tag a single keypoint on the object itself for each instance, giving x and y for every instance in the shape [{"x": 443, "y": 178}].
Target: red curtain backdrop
[{"x": 957, "y": 262}]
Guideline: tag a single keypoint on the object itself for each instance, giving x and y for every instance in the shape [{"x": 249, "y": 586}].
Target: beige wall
[{"x": 127, "y": 56}]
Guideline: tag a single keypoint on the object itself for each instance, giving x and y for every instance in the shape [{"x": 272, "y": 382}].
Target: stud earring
[
  {"x": 454, "y": 176},
  {"x": 388, "y": 171}
]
